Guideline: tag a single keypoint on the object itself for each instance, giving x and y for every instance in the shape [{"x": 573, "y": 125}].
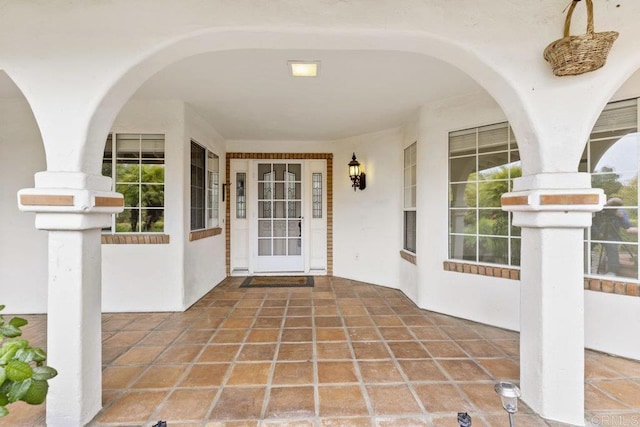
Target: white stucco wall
[
  {"x": 488, "y": 300},
  {"x": 494, "y": 301},
  {"x": 23, "y": 249},
  {"x": 204, "y": 260},
  {"x": 367, "y": 223},
  {"x": 149, "y": 277}
]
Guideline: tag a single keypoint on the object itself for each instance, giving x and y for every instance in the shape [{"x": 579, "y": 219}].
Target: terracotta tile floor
[{"x": 343, "y": 353}]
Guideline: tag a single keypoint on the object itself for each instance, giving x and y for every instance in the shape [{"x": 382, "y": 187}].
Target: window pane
[
  {"x": 462, "y": 195},
  {"x": 462, "y": 169},
  {"x": 463, "y": 221},
  {"x": 493, "y": 222},
  {"x": 515, "y": 251},
  {"x": 410, "y": 231},
  {"x": 197, "y": 186},
  {"x": 152, "y": 173},
  {"x": 127, "y": 171},
  {"x": 127, "y": 221},
  {"x": 463, "y": 247},
  {"x": 152, "y": 220},
  {"x": 488, "y": 173},
  {"x": 493, "y": 250},
  {"x": 490, "y": 193},
  {"x": 132, "y": 176},
  {"x": 493, "y": 138}
]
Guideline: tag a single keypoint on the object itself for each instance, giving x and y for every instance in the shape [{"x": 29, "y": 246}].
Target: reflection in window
[
  {"x": 612, "y": 156},
  {"x": 482, "y": 165},
  {"x": 197, "y": 186},
  {"x": 316, "y": 184},
  {"x": 137, "y": 163},
  {"x": 241, "y": 201},
  {"x": 410, "y": 190},
  {"x": 213, "y": 189}
]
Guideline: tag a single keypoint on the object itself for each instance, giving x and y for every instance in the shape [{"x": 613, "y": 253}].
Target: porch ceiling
[{"x": 249, "y": 94}]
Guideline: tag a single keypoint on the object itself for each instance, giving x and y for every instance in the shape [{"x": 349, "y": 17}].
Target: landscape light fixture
[
  {"x": 509, "y": 394},
  {"x": 357, "y": 177},
  {"x": 304, "y": 68}
]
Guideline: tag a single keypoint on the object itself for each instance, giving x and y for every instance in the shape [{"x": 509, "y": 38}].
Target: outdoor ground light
[
  {"x": 509, "y": 394},
  {"x": 357, "y": 177}
]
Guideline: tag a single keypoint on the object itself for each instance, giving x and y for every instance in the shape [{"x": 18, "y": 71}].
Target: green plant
[{"x": 23, "y": 374}]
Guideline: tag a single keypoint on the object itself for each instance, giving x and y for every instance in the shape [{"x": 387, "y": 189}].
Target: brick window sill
[
  {"x": 590, "y": 283},
  {"x": 409, "y": 257},
  {"x": 135, "y": 239},
  {"x": 203, "y": 234}
]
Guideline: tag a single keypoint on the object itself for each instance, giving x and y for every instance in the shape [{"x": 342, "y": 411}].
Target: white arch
[{"x": 487, "y": 74}]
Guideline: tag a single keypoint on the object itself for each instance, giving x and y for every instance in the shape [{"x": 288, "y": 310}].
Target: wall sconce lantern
[
  {"x": 509, "y": 394},
  {"x": 357, "y": 177}
]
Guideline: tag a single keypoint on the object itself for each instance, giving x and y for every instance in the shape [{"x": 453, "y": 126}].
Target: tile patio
[{"x": 343, "y": 353}]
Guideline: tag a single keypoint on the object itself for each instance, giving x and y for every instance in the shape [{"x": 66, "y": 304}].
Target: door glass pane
[
  {"x": 279, "y": 169},
  {"x": 296, "y": 170},
  {"x": 279, "y": 229},
  {"x": 264, "y": 228},
  {"x": 279, "y": 246},
  {"x": 264, "y": 170},
  {"x": 264, "y": 247},
  {"x": 317, "y": 195},
  {"x": 279, "y": 190},
  {"x": 295, "y": 228},
  {"x": 241, "y": 206},
  {"x": 279, "y": 210},
  {"x": 264, "y": 209},
  {"x": 295, "y": 247}
]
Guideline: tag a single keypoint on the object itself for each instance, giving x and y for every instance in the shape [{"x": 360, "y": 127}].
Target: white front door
[{"x": 279, "y": 216}]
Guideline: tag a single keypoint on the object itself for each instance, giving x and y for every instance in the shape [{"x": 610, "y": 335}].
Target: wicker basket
[{"x": 573, "y": 55}]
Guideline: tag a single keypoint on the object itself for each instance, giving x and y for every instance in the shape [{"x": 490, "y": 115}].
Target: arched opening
[{"x": 24, "y": 278}]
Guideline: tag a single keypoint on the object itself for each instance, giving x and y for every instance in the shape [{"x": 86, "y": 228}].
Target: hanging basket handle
[{"x": 567, "y": 21}]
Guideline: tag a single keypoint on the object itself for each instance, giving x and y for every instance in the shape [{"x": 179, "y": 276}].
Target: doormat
[{"x": 278, "y": 282}]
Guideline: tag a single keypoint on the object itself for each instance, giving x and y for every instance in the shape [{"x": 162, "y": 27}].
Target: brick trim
[
  {"x": 569, "y": 199},
  {"x": 108, "y": 201},
  {"x": 280, "y": 156},
  {"x": 483, "y": 270},
  {"x": 203, "y": 234},
  {"x": 408, "y": 256},
  {"x": 612, "y": 286},
  {"x": 135, "y": 239},
  {"x": 590, "y": 283},
  {"x": 46, "y": 200}
]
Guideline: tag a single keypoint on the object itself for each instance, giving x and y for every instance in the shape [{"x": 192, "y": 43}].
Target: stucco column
[
  {"x": 553, "y": 210},
  {"x": 73, "y": 206}
]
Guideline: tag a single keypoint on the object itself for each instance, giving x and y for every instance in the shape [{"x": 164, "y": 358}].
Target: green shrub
[{"x": 23, "y": 374}]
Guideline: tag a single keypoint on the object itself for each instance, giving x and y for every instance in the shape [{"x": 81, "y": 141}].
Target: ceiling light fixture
[{"x": 304, "y": 68}]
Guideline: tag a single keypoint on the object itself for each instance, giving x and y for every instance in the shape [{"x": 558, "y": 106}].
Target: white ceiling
[{"x": 249, "y": 94}]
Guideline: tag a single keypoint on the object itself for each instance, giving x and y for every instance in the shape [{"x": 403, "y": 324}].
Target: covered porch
[{"x": 343, "y": 353}]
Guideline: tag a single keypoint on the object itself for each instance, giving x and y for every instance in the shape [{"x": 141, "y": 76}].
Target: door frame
[
  {"x": 327, "y": 157},
  {"x": 277, "y": 264}
]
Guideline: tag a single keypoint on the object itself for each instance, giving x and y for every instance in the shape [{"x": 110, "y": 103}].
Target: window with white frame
[
  {"x": 136, "y": 164},
  {"x": 205, "y": 192},
  {"x": 483, "y": 162},
  {"x": 612, "y": 156},
  {"x": 213, "y": 189},
  {"x": 410, "y": 177}
]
